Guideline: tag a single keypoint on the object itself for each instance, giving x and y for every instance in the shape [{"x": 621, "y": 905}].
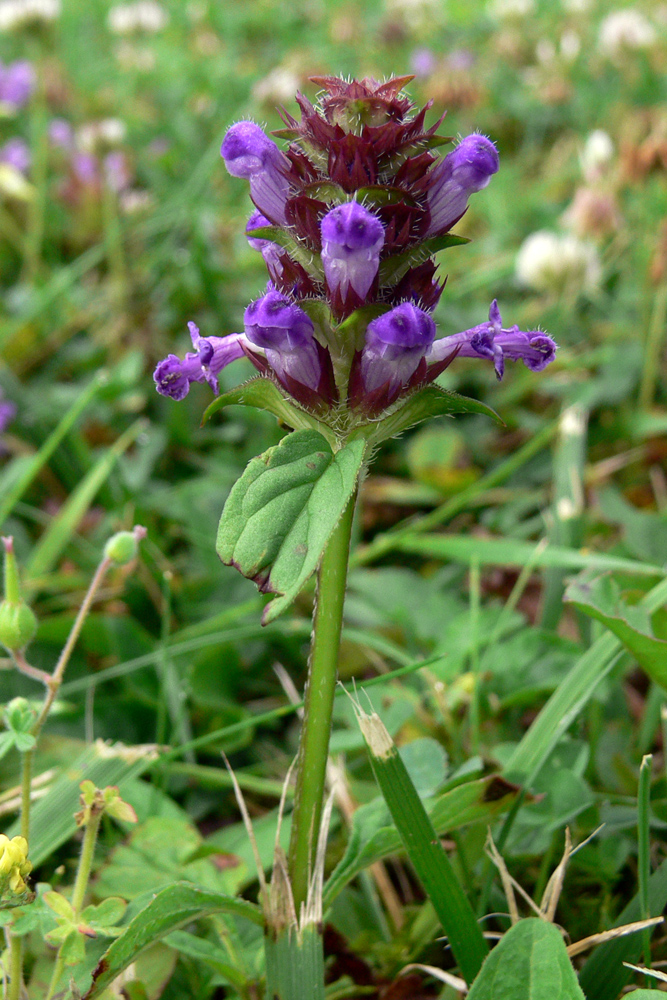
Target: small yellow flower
[{"x": 14, "y": 863}]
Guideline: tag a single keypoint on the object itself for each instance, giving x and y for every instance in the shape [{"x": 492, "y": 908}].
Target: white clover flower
[
  {"x": 108, "y": 132},
  {"x": 549, "y": 262},
  {"x": 146, "y": 15},
  {"x": 18, "y": 14},
  {"x": 625, "y": 29},
  {"x": 135, "y": 201},
  {"x": 597, "y": 154},
  {"x": 278, "y": 86},
  {"x": 570, "y": 45}
]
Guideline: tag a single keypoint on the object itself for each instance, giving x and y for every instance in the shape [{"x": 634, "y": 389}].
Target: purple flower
[
  {"x": 286, "y": 335},
  {"x": 16, "y": 83},
  {"x": 117, "y": 171},
  {"x": 395, "y": 344},
  {"x": 248, "y": 152},
  {"x": 269, "y": 250},
  {"x": 7, "y": 412},
  {"x": 423, "y": 62},
  {"x": 490, "y": 340},
  {"x": 466, "y": 169},
  {"x": 352, "y": 238},
  {"x": 16, "y": 153},
  {"x": 85, "y": 167},
  {"x": 173, "y": 376},
  {"x": 61, "y": 133}
]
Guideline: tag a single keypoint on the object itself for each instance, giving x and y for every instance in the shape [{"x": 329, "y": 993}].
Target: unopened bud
[
  {"x": 17, "y": 621},
  {"x": 123, "y": 546}
]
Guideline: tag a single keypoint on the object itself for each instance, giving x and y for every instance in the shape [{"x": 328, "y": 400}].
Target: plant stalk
[
  {"x": 318, "y": 708},
  {"x": 80, "y": 886}
]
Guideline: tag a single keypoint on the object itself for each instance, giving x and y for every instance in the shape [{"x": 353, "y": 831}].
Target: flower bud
[
  {"x": 123, "y": 546},
  {"x": 17, "y": 621}
]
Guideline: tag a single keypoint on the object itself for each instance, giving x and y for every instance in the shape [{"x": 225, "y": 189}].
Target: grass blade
[
  {"x": 32, "y": 469},
  {"x": 423, "y": 848},
  {"x": 514, "y": 552},
  {"x": 58, "y": 534},
  {"x": 644, "y": 850}
]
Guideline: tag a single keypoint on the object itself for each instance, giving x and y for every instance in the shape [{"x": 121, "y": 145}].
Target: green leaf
[
  {"x": 392, "y": 269},
  {"x": 73, "y": 948},
  {"x": 7, "y": 741},
  {"x": 297, "y": 251},
  {"x": 529, "y": 963},
  {"x": 170, "y": 909},
  {"x": 264, "y": 394},
  {"x": 281, "y": 512},
  {"x": 60, "y": 906},
  {"x": 24, "y": 741},
  {"x": 647, "y": 995},
  {"x": 208, "y": 953},
  {"x": 431, "y": 401},
  {"x": 109, "y": 912},
  {"x": 602, "y": 598}
]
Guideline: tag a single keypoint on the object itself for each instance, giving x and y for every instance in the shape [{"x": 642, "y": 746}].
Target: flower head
[
  {"x": 16, "y": 154},
  {"x": 17, "y": 81},
  {"x": 14, "y": 864}
]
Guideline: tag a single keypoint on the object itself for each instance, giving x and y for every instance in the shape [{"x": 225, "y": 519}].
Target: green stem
[
  {"x": 15, "y": 968},
  {"x": 80, "y": 886},
  {"x": 654, "y": 344},
  {"x": 319, "y": 697},
  {"x": 26, "y": 779}
]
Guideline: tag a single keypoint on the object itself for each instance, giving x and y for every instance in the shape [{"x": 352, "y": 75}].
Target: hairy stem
[{"x": 318, "y": 708}]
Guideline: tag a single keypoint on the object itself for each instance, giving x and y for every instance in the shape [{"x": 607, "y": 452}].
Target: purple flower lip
[
  {"x": 173, "y": 376},
  {"x": 352, "y": 238},
  {"x": 467, "y": 169},
  {"x": 490, "y": 340}
]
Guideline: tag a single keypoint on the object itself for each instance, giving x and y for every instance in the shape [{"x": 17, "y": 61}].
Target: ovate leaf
[
  {"x": 529, "y": 963},
  {"x": 603, "y": 599},
  {"x": 264, "y": 394},
  {"x": 282, "y": 511}
]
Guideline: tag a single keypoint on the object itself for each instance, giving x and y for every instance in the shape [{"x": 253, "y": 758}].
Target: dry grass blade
[
  {"x": 439, "y": 974},
  {"x": 615, "y": 932}
]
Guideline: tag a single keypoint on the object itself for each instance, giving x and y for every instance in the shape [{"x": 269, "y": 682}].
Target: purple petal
[
  {"x": 173, "y": 377},
  {"x": 352, "y": 238},
  {"x": 395, "y": 344},
  {"x": 467, "y": 169}
]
